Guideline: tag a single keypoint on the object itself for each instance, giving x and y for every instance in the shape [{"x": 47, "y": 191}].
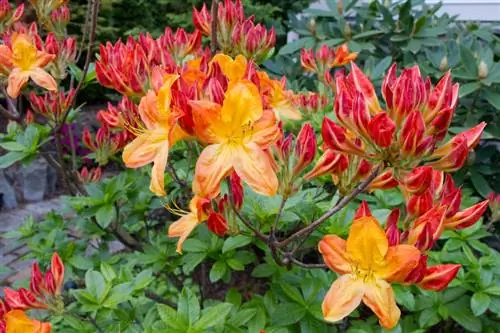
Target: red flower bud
[
  {"x": 329, "y": 162},
  {"x": 217, "y": 224},
  {"x": 305, "y": 148},
  {"x": 438, "y": 277},
  {"x": 87, "y": 139},
  {"x": 57, "y": 270},
  {"x": 419, "y": 204},
  {"x": 467, "y": 217},
  {"x": 202, "y": 20},
  {"x": 237, "y": 190},
  {"x": 391, "y": 228},
  {"x": 381, "y": 129},
  {"x": 362, "y": 211},
  {"x": 418, "y": 273},
  {"x": 418, "y": 180}
]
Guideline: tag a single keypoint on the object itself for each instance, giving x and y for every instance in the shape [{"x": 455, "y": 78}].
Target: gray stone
[
  {"x": 34, "y": 180},
  {"x": 8, "y": 198}
]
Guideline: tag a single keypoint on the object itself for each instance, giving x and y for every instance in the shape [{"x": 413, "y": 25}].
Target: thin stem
[
  {"x": 304, "y": 265},
  {"x": 215, "y": 19},
  {"x": 93, "y": 27},
  {"x": 171, "y": 170},
  {"x": 157, "y": 298},
  {"x": 8, "y": 115},
  {"x": 341, "y": 204},
  {"x": 278, "y": 216}
]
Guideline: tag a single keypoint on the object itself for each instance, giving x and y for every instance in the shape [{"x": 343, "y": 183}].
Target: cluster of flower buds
[
  {"x": 44, "y": 8},
  {"x": 90, "y": 176},
  {"x": 311, "y": 102},
  {"x": 427, "y": 277},
  {"x": 105, "y": 144},
  {"x": 127, "y": 67},
  {"x": 180, "y": 44},
  {"x": 294, "y": 156},
  {"x": 433, "y": 204},
  {"x": 59, "y": 19},
  {"x": 494, "y": 203},
  {"x": 122, "y": 117},
  {"x": 64, "y": 51},
  {"x": 44, "y": 290},
  {"x": 8, "y": 15},
  {"x": 325, "y": 58},
  {"x": 409, "y": 132},
  {"x": 52, "y": 105},
  {"x": 235, "y": 33},
  {"x": 254, "y": 41},
  {"x": 222, "y": 221}
]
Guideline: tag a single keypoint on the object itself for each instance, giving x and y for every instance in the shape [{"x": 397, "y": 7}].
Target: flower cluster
[
  {"x": 44, "y": 293},
  {"x": 8, "y": 15},
  {"x": 237, "y": 34},
  {"x": 324, "y": 59}
]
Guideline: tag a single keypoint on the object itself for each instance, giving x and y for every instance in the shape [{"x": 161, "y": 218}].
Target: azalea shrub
[{"x": 241, "y": 204}]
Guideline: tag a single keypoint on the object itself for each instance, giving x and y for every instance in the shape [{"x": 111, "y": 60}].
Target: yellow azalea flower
[
  {"x": 367, "y": 264},
  {"x": 18, "y": 322},
  {"x": 153, "y": 142},
  {"x": 183, "y": 227},
  {"x": 278, "y": 101},
  {"x": 26, "y": 62},
  {"x": 235, "y": 69},
  {"x": 238, "y": 134}
]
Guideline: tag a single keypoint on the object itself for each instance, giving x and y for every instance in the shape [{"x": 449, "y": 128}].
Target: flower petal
[
  {"x": 367, "y": 243},
  {"x": 399, "y": 262},
  {"x": 165, "y": 95},
  {"x": 43, "y": 79},
  {"x": 16, "y": 81},
  {"x": 157, "y": 185},
  {"x": 141, "y": 151},
  {"x": 344, "y": 297},
  {"x": 182, "y": 228},
  {"x": 265, "y": 130},
  {"x": 242, "y": 105},
  {"x": 214, "y": 163},
  {"x": 18, "y": 322},
  {"x": 333, "y": 249},
  {"x": 381, "y": 299},
  {"x": 233, "y": 69},
  {"x": 252, "y": 164}
]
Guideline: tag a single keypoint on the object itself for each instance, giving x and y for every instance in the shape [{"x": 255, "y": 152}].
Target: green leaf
[
  {"x": 194, "y": 245},
  {"x": 296, "y": 45},
  {"x": 12, "y": 146},
  {"x": 493, "y": 98},
  {"x": 404, "y": 297},
  {"x": 468, "y": 88},
  {"x": 142, "y": 280},
  {"x": 235, "y": 264},
  {"x": 218, "y": 270},
  {"x": 428, "y": 318},
  {"x": 235, "y": 242},
  {"x": 192, "y": 260},
  {"x": 460, "y": 312},
  {"x": 292, "y": 293},
  {"x": 288, "y": 313},
  {"x": 189, "y": 307},
  {"x": 108, "y": 272},
  {"x": 264, "y": 270},
  {"x": 213, "y": 316},
  {"x": 105, "y": 215},
  {"x": 96, "y": 285},
  {"x": 468, "y": 60},
  {"x": 493, "y": 290},
  {"x": 480, "y": 184},
  {"x": 169, "y": 317},
  {"x": 479, "y": 303},
  {"x": 10, "y": 158},
  {"x": 366, "y": 34},
  {"x": 118, "y": 294}
]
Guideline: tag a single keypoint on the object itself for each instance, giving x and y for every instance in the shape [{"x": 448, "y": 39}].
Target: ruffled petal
[
  {"x": 43, "y": 79},
  {"x": 333, "y": 249},
  {"x": 214, "y": 163},
  {"x": 399, "y": 262},
  {"x": 251, "y": 163},
  {"x": 141, "y": 151},
  {"x": 182, "y": 228},
  {"x": 380, "y": 298},
  {"x": 157, "y": 185},
  {"x": 344, "y": 297},
  {"x": 16, "y": 81}
]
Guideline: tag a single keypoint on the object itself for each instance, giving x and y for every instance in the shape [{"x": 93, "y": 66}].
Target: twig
[
  {"x": 157, "y": 298},
  {"x": 93, "y": 26},
  {"x": 85, "y": 29},
  {"x": 8, "y": 115},
  {"x": 278, "y": 216},
  {"x": 341, "y": 204},
  {"x": 171, "y": 170},
  {"x": 215, "y": 19},
  {"x": 304, "y": 265}
]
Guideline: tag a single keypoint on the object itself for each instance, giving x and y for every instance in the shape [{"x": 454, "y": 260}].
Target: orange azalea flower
[
  {"x": 183, "y": 227},
  {"x": 235, "y": 69},
  {"x": 26, "y": 62},
  {"x": 18, "y": 322},
  {"x": 238, "y": 134},
  {"x": 278, "y": 100},
  {"x": 367, "y": 264},
  {"x": 153, "y": 142}
]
